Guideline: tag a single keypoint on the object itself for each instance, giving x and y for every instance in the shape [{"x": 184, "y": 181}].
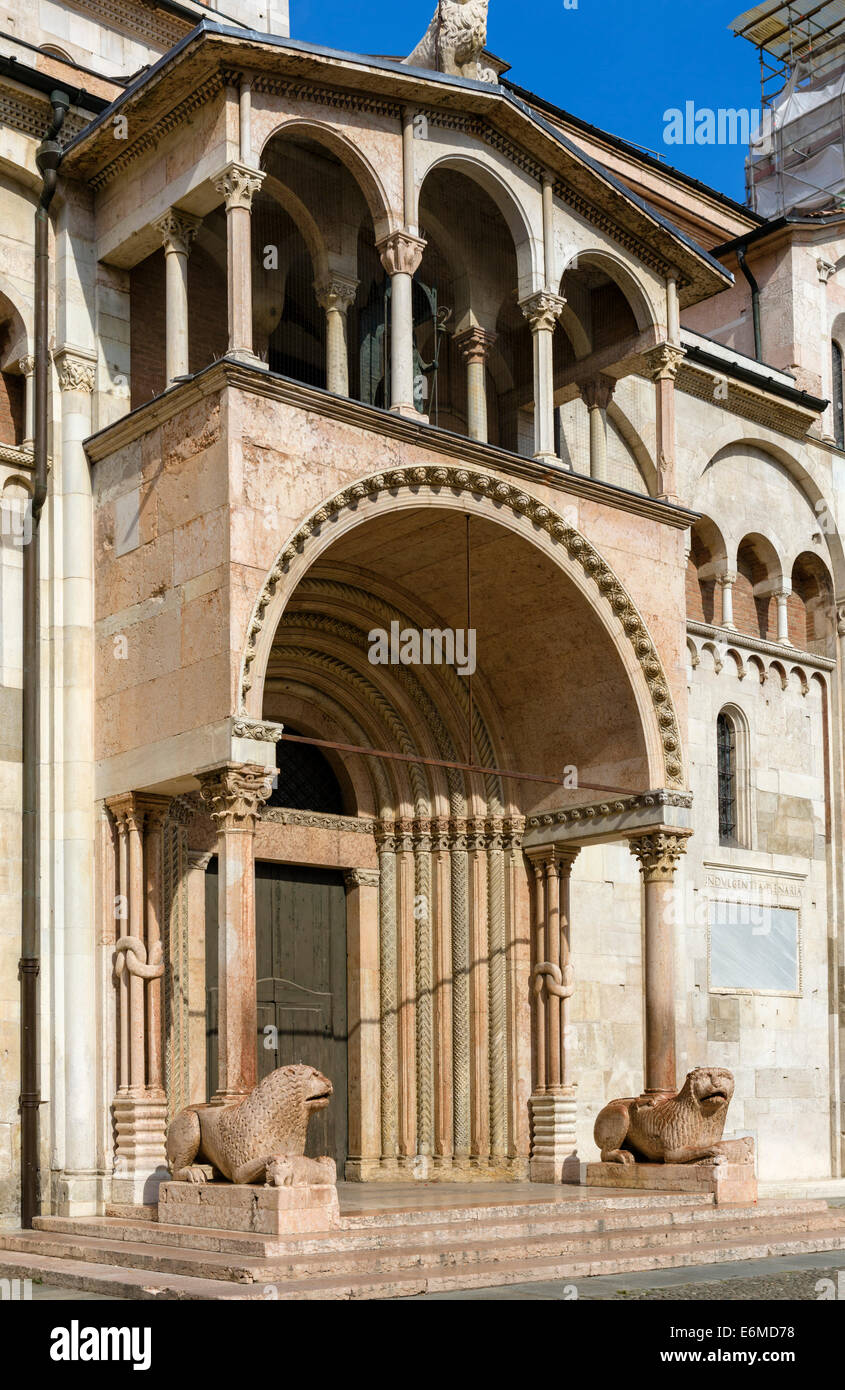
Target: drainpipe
[
  {"x": 48, "y": 157},
  {"x": 755, "y": 301}
]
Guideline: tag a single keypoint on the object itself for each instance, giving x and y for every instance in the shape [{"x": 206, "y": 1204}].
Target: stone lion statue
[
  {"x": 261, "y": 1136},
  {"x": 454, "y": 41},
  {"x": 683, "y": 1128}
]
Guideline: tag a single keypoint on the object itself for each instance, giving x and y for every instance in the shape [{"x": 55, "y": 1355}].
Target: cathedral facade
[{"x": 437, "y": 613}]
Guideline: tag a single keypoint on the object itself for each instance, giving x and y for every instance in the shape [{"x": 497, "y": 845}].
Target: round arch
[
  {"x": 363, "y": 172},
  {"x": 626, "y": 280},
  {"x": 506, "y": 505}
]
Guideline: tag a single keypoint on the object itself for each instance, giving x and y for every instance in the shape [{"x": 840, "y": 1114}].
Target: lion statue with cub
[{"x": 259, "y": 1137}]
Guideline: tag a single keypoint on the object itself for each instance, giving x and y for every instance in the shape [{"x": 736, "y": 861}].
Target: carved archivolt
[{"x": 463, "y": 481}]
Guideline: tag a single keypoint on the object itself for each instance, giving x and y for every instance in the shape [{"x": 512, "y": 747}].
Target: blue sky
[{"x": 618, "y": 63}]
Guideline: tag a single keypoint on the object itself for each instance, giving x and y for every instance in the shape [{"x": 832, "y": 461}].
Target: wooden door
[{"x": 300, "y": 917}]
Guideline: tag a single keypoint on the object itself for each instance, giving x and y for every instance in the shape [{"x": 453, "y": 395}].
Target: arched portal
[{"x": 490, "y": 681}]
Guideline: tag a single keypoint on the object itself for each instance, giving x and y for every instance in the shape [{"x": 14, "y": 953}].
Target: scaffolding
[{"x": 796, "y": 160}]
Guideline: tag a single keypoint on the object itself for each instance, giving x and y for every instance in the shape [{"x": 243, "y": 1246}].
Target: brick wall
[{"x": 207, "y": 319}]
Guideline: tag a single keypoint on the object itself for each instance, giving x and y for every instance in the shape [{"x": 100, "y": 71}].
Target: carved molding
[
  {"x": 234, "y": 793},
  {"x": 461, "y": 481},
  {"x": 260, "y": 730},
  {"x": 317, "y": 820},
  {"x": 643, "y": 801},
  {"x": 362, "y": 878},
  {"x": 659, "y": 853}
]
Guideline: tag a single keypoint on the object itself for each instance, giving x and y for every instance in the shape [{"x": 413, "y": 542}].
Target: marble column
[
  {"x": 663, "y": 364},
  {"x": 73, "y": 504},
  {"x": 441, "y": 894},
  {"x": 234, "y": 793},
  {"x": 782, "y": 593},
  {"x": 27, "y": 370},
  {"x": 239, "y": 183},
  {"x": 336, "y": 297},
  {"x": 362, "y": 920},
  {"x": 386, "y": 840},
  {"x": 726, "y": 583},
  {"x": 542, "y": 310},
  {"x": 401, "y": 254},
  {"x": 140, "y": 1106},
  {"x": 597, "y": 395},
  {"x": 177, "y": 230},
  {"x": 198, "y": 862},
  {"x": 658, "y": 853},
  {"x": 475, "y": 344},
  {"x": 553, "y": 1102}
]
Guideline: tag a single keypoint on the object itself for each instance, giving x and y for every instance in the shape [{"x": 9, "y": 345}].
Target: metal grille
[
  {"x": 306, "y": 781},
  {"x": 726, "y": 766}
]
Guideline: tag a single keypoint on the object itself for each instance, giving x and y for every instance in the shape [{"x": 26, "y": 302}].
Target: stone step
[
  {"x": 480, "y": 1247},
  {"x": 138, "y": 1284},
  {"x": 437, "y": 1231},
  {"x": 446, "y": 1210}
]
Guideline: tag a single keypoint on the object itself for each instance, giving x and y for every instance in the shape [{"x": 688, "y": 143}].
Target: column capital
[
  {"x": 26, "y": 365},
  {"x": 199, "y": 859},
  {"x": 401, "y": 253},
  {"x": 238, "y": 183},
  {"x": 337, "y": 292},
  {"x": 543, "y": 310},
  {"x": 76, "y": 368},
  {"x": 361, "y": 878},
  {"x": 553, "y": 858},
  {"x": 663, "y": 361},
  {"x": 825, "y": 269},
  {"x": 475, "y": 343},
  {"x": 726, "y": 577},
  {"x": 177, "y": 230},
  {"x": 659, "y": 852},
  {"x": 234, "y": 793},
  {"x": 598, "y": 391}
]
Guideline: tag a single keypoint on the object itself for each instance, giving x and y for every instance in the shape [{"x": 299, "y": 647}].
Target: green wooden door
[{"x": 300, "y": 917}]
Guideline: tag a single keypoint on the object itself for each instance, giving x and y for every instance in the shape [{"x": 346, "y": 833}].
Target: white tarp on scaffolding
[{"x": 797, "y": 160}]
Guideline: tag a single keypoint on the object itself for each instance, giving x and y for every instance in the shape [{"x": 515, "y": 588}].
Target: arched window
[
  {"x": 838, "y": 419},
  {"x": 306, "y": 781},
  {"x": 734, "y": 799},
  {"x": 726, "y": 767}
]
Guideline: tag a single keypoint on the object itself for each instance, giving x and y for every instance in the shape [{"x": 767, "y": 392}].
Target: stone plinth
[
  {"x": 730, "y": 1183},
  {"x": 269, "y": 1211}
]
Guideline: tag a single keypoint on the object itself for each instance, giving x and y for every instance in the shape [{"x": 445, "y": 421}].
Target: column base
[
  {"x": 552, "y": 461},
  {"x": 140, "y": 1161},
  {"x": 410, "y": 412},
  {"x": 76, "y": 1194},
  {"x": 553, "y": 1155},
  {"x": 250, "y": 359}
]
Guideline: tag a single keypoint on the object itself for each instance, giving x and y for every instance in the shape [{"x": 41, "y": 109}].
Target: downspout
[
  {"x": 48, "y": 157},
  {"x": 755, "y": 301}
]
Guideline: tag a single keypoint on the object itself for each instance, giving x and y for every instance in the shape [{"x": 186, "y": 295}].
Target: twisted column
[
  {"x": 659, "y": 852},
  {"x": 497, "y": 988},
  {"x": 233, "y": 793},
  {"x": 424, "y": 988},
  {"x": 460, "y": 993},
  {"x": 442, "y": 1015},
  {"x": 389, "y": 1003}
]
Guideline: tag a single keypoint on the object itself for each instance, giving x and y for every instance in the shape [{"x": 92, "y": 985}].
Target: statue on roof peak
[{"x": 455, "y": 40}]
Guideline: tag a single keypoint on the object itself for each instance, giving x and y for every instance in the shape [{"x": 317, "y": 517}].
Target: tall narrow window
[
  {"x": 837, "y": 402},
  {"x": 727, "y": 774}
]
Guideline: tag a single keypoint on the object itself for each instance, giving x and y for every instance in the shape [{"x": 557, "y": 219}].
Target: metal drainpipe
[
  {"x": 755, "y": 301},
  {"x": 48, "y": 157}
]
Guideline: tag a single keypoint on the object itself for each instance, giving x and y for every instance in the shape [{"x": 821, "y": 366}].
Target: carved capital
[
  {"x": 401, "y": 253},
  {"x": 177, "y": 230},
  {"x": 475, "y": 343},
  {"x": 553, "y": 859},
  {"x": 238, "y": 183},
  {"x": 26, "y": 365},
  {"x": 199, "y": 859},
  {"x": 663, "y": 361},
  {"x": 543, "y": 310},
  {"x": 825, "y": 269},
  {"x": 337, "y": 294},
  {"x": 726, "y": 578},
  {"x": 598, "y": 391},
  {"x": 234, "y": 793},
  {"x": 840, "y": 617},
  {"x": 659, "y": 853},
  {"x": 361, "y": 878},
  {"x": 77, "y": 371},
  {"x": 261, "y": 730}
]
